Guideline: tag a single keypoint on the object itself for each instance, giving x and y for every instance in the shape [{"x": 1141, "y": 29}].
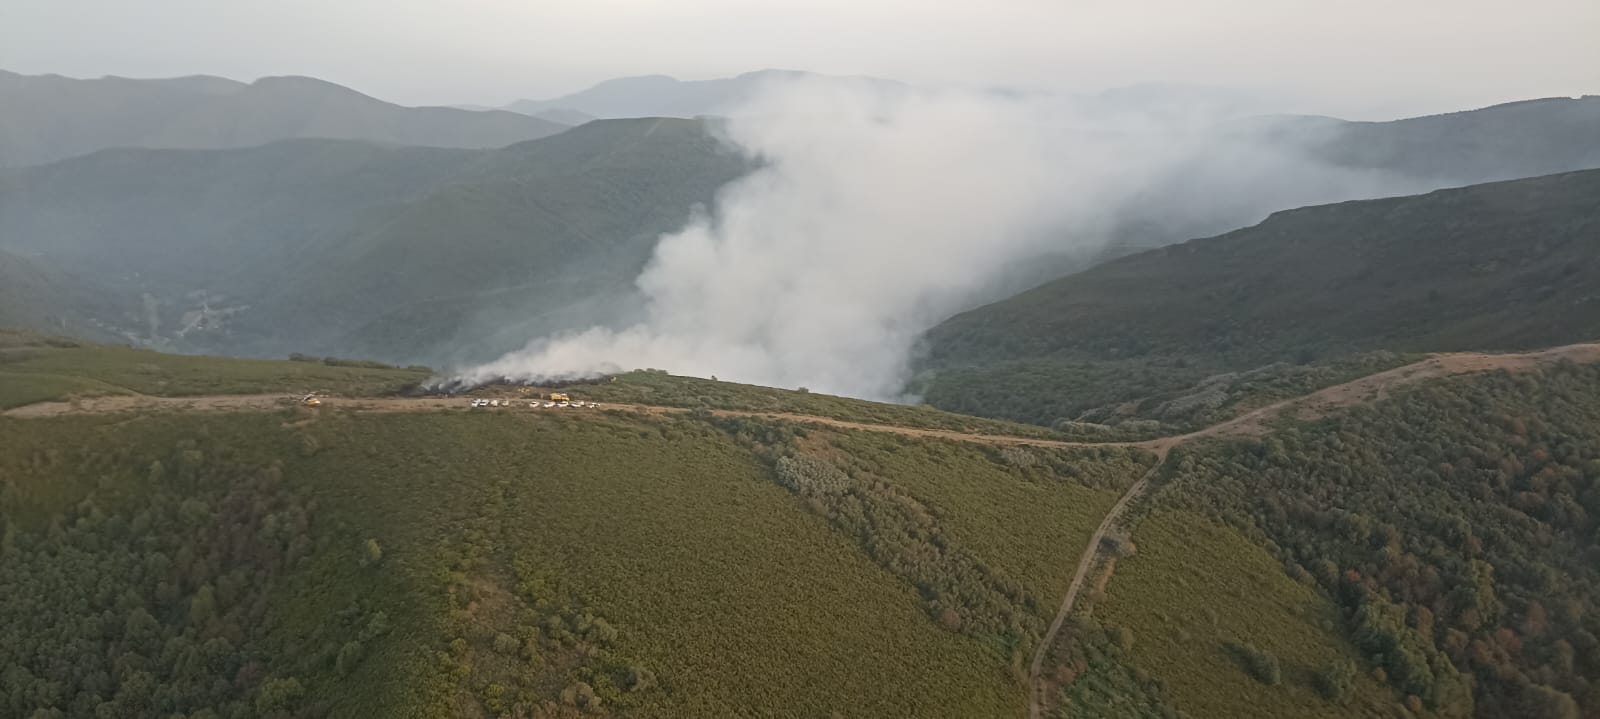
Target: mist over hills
[
  {"x": 49, "y": 117},
  {"x": 449, "y": 255},
  {"x": 352, "y": 247},
  {"x": 1277, "y": 506},
  {"x": 1500, "y": 142},
  {"x": 1506, "y": 141},
  {"x": 36, "y": 295},
  {"x": 664, "y": 96}
]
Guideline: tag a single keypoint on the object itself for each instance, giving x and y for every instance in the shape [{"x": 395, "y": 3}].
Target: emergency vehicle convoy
[{"x": 556, "y": 399}]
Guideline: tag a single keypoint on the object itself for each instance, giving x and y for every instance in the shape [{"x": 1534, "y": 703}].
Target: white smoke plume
[{"x": 877, "y": 212}]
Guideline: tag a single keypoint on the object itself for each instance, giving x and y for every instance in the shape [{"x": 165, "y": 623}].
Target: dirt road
[
  {"x": 270, "y": 402},
  {"x": 1371, "y": 388},
  {"x": 1366, "y": 389},
  {"x": 1090, "y": 554}
]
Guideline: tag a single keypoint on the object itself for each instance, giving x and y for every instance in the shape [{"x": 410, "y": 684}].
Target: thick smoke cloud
[{"x": 879, "y": 211}]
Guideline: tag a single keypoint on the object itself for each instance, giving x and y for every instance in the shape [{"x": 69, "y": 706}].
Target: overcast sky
[{"x": 1357, "y": 58}]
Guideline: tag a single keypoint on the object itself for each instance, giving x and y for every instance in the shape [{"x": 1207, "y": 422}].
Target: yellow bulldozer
[{"x": 311, "y": 400}]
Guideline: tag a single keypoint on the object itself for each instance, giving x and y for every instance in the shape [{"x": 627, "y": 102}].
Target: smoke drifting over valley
[{"x": 879, "y": 211}]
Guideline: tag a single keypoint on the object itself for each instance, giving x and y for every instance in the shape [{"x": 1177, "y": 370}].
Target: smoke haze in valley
[{"x": 879, "y": 211}]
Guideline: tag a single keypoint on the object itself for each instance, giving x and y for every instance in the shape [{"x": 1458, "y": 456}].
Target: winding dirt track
[
  {"x": 1371, "y": 388},
  {"x": 1366, "y": 389}
]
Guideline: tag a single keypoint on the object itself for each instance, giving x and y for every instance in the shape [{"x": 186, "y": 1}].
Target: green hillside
[
  {"x": 174, "y": 221},
  {"x": 37, "y": 368},
  {"x": 1507, "y": 141},
  {"x": 1196, "y": 595},
  {"x": 406, "y": 254},
  {"x": 1448, "y": 532},
  {"x": 535, "y": 238},
  {"x": 1432, "y": 555},
  {"x": 1497, "y": 266},
  {"x": 455, "y": 256},
  {"x": 532, "y": 564},
  {"x": 37, "y": 296},
  {"x": 45, "y": 118}
]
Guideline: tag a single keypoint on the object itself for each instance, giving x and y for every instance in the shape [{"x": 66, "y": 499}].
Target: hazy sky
[{"x": 1354, "y": 57}]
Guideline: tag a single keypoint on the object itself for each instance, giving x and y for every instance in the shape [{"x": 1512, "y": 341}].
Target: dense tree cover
[
  {"x": 1499, "y": 265},
  {"x": 724, "y": 593},
  {"x": 157, "y": 603},
  {"x": 1017, "y": 509},
  {"x": 458, "y": 565},
  {"x": 854, "y": 484},
  {"x": 1456, "y": 524},
  {"x": 538, "y": 565},
  {"x": 1051, "y": 392},
  {"x": 1094, "y": 674},
  {"x": 1505, "y": 265},
  {"x": 900, "y": 533}
]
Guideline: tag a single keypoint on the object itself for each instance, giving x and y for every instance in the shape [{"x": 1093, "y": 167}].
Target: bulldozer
[{"x": 311, "y": 400}]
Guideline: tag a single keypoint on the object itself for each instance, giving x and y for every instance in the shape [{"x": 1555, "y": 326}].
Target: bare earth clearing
[{"x": 1371, "y": 388}]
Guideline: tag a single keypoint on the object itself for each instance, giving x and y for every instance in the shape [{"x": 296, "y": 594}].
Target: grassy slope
[
  {"x": 1189, "y": 570},
  {"x": 707, "y": 568},
  {"x": 1005, "y": 515},
  {"x": 36, "y": 369},
  {"x": 717, "y": 579}
]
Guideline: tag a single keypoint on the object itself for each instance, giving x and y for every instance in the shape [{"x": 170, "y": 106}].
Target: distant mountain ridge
[
  {"x": 354, "y": 247},
  {"x": 1505, "y": 265},
  {"x": 36, "y": 296},
  {"x": 330, "y": 245},
  {"x": 45, "y": 118},
  {"x": 1524, "y": 138},
  {"x": 1499, "y": 266},
  {"x": 666, "y": 96}
]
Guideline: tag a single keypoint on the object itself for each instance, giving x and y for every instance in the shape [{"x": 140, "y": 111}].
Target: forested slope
[
  {"x": 324, "y": 563},
  {"x": 1453, "y": 525},
  {"x": 1499, "y": 266}
]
